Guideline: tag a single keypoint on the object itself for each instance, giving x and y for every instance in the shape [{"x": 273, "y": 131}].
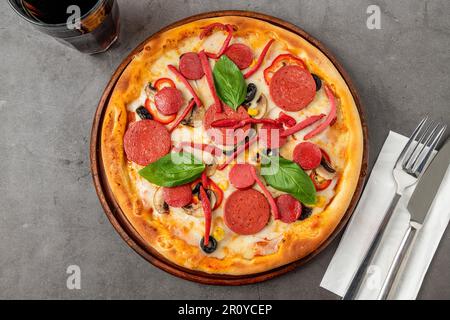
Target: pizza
[{"x": 231, "y": 145}]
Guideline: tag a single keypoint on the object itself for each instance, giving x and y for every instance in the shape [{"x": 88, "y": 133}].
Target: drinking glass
[{"x": 96, "y": 31}]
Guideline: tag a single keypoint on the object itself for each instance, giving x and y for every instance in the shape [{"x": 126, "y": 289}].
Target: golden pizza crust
[{"x": 303, "y": 237}]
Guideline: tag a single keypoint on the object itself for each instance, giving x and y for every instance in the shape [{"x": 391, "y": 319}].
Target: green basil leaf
[
  {"x": 229, "y": 82},
  {"x": 287, "y": 176},
  {"x": 173, "y": 169}
]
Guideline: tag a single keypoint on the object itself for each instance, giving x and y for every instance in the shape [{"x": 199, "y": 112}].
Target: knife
[{"x": 418, "y": 206}]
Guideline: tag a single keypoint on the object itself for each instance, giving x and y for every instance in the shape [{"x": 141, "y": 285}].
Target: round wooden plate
[{"x": 126, "y": 230}]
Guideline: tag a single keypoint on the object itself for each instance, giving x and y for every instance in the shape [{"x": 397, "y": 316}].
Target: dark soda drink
[
  {"x": 55, "y": 12},
  {"x": 97, "y": 21}
]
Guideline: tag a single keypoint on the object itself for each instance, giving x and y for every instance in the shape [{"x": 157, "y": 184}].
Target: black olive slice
[
  {"x": 326, "y": 165},
  {"x": 251, "y": 92},
  {"x": 306, "y": 212},
  {"x": 196, "y": 190},
  {"x": 143, "y": 113},
  {"x": 317, "y": 81},
  {"x": 211, "y": 247}
]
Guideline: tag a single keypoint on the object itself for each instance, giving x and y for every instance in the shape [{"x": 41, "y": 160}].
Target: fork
[{"x": 407, "y": 170}]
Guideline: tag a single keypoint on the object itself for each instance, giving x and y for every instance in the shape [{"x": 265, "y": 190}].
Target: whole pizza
[{"x": 231, "y": 145}]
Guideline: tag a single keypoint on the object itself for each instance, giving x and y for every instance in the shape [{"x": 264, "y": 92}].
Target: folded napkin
[{"x": 364, "y": 223}]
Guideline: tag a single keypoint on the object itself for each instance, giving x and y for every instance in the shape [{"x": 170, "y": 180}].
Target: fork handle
[
  {"x": 359, "y": 276},
  {"x": 402, "y": 251}
]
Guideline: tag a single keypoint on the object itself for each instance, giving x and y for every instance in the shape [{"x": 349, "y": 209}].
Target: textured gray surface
[{"x": 50, "y": 216}]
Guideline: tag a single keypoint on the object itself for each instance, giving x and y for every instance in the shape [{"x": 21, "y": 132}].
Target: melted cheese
[{"x": 190, "y": 228}]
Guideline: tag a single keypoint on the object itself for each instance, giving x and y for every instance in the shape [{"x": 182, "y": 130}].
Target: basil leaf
[
  {"x": 173, "y": 169},
  {"x": 287, "y": 176},
  {"x": 229, "y": 82}
]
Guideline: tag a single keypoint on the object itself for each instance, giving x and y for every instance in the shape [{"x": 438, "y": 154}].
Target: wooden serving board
[{"x": 126, "y": 230}]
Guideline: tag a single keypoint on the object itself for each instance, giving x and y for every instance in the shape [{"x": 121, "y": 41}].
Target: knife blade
[
  {"x": 418, "y": 207},
  {"x": 428, "y": 185}
]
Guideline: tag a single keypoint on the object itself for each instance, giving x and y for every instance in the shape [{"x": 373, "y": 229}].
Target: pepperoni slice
[
  {"x": 168, "y": 100},
  {"x": 270, "y": 136},
  {"x": 226, "y": 136},
  {"x": 241, "y": 176},
  {"x": 146, "y": 141},
  {"x": 292, "y": 88},
  {"x": 246, "y": 211},
  {"x": 289, "y": 208},
  {"x": 179, "y": 196},
  {"x": 240, "y": 54},
  {"x": 307, "y": 155},
  {"x": 190, "y": 66}
]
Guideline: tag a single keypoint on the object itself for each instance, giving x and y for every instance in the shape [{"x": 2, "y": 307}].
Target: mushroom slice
[
  {"x": 194, "y": 209},
  {"x": 258, "y": 107},
  {"x": 324, "y": 173},
  {"x": 195, "y": 118},
  {"x": 212, "y": 198},
  {"x": 158, "y": 202}
]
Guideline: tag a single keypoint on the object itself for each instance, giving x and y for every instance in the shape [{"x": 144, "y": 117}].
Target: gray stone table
[{"x": 50, "y": 216}]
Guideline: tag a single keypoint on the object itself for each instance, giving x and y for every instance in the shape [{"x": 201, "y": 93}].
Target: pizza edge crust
[{"x": 302, "y": 238}]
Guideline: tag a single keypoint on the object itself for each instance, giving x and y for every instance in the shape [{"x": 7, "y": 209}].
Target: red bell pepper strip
[
  {"x": 213, "y": 187},
  {"x": 235, "y": 123},
  {"x": 206, "y": 205},
  {"x": 331, "y": 116},
  {"x": 238, "y": 152},
  {"x": 131, "y": 116},
  {"x": 244, "y": 122},
  {"x": 218, "y": 192},
  {"x": 156, "y": 115},
  {"x": 302, "y": 125},
  {"x": 225, "y": 123},
  {"x": 183, "y": 115},
  {"x": 208, "y": 30},
  {"x": 186, "y": 84},
  {"x": 319, "y": 183},
  {"x": 205, "y": 179},
  {"x": 260, "y": 60},
  {"x": 200, "y": 146},
  {"x": 210, "y": 80},
  {"x": 159, "y": 84},
  {"x": 280, "y": 61},
  {"x": 273, "y": 205},
  {"x": 286, "y": 119}
]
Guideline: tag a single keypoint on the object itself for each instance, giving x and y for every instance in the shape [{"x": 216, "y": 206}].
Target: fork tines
[{"x": 420, "y": 146}]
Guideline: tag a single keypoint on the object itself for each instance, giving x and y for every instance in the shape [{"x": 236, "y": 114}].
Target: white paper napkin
[{"x": 364, "y": 223}]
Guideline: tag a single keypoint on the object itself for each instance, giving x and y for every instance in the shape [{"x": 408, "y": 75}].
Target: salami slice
[
  {"x": 246, "y": 211},
  {"x": 190, "y": 66},
  {"x": 270, "y": 136},
  {"x": 168, "y": 100},
  {"x": 292, "y": 88},
  {"x": 146, "y": 141},
  {"x": 289, "y": 208},
  {"x": 240, "y": 54},
  {"x": 307, "y": 155},
  {"x": 241, "y": 176},
  {"x": 226, "y": 136},
  {"x": 179, "y": 196}
]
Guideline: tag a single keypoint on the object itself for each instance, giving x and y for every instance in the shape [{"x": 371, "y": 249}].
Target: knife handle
[
  {"x": 360, "y": 274},
  {"x": 402, "y": 251}
]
